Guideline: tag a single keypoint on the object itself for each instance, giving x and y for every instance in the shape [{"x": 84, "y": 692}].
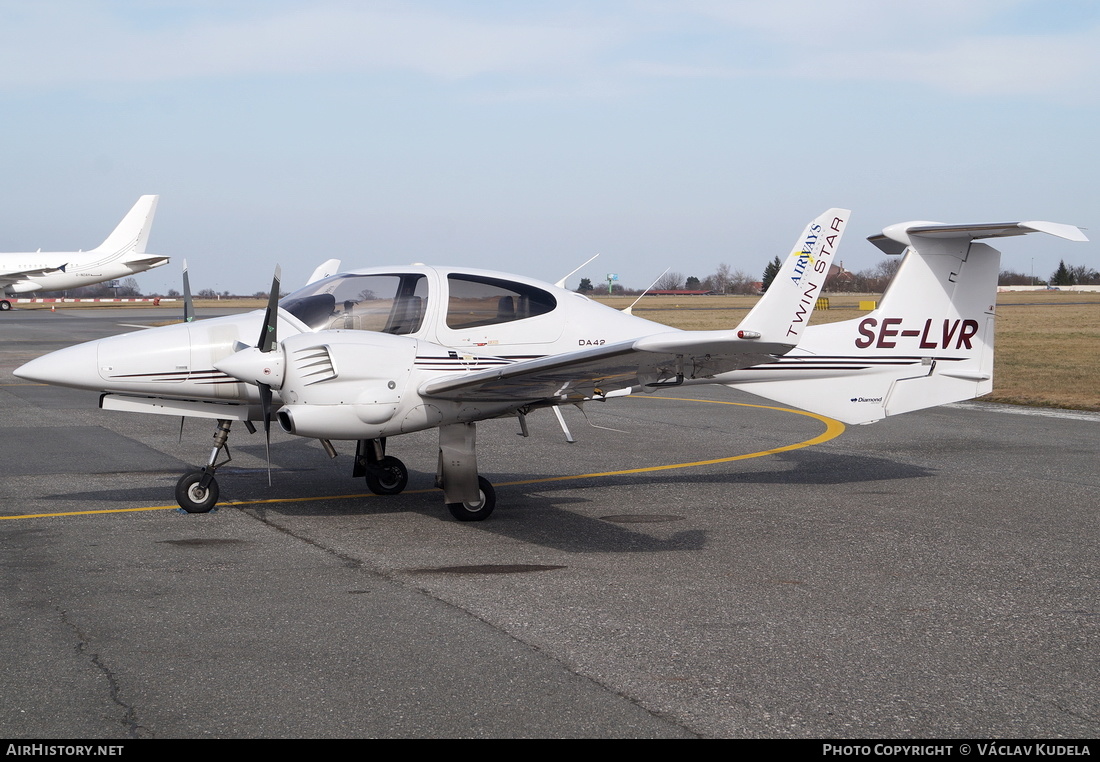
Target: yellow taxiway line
[{"x": 833, "y": 429}]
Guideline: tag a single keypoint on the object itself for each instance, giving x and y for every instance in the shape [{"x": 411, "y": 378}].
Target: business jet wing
[
  {"x": 770, "y": 330},
  {"x": 13, "y": 276}
]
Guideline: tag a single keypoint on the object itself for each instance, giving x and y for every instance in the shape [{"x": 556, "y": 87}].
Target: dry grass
[{"x": 1048, "y": 343}]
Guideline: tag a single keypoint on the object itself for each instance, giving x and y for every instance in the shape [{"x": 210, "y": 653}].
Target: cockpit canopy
[{"x": 398, "y": 302}]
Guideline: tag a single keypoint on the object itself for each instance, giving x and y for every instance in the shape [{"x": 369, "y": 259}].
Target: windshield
[{"x": 382, "y": 303}]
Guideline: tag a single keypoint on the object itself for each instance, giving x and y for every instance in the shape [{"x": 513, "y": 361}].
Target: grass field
[{"x": 1048, "y": 342}]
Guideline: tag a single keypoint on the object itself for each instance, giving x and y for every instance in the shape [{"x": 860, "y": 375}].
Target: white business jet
[
  {"x": 371, "y": 354},
  {"x": 121, "y": 255}
]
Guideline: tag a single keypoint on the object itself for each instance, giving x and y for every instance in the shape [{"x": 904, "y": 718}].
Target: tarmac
[{"x": 930, "y": 576}]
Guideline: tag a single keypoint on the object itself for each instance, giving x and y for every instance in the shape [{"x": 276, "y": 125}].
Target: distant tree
[
  {"x": 173, "y": 292},
  {"x": 720, "y": 281},
  {"x": 129, "y": 288},
  {"x": 771, "y": 271},
  {"x": 1083, "y": 275},
  {"x": 209, "y": 293},
  {"x": 1062, "y": 276},
  {"x": 670, "y": 281},
  {"x": 585, "y": 286},
  {"x": 1013, "y": 278},
  {"x": 888, "y": 268},
  {"x": 740, "y": 282},
  {"x": 692, "y": 283}
]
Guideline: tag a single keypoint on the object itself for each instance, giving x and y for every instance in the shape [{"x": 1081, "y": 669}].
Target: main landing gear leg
[
  {"x": 385, "y": 474},
  {"x": 197, "y": 491},
  {"x": 469, "y": 497}
]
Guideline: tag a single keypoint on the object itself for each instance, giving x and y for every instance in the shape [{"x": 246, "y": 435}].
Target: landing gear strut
[
  {"x": 385, "y": 474},
  {"x": 468, "y": 496},
  {"x": 197, "y": 491}
]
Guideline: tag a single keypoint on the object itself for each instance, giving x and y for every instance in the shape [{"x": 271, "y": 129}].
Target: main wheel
[
  {"x": 387, "y": 477},
  {"x": 192, "y": 496},
  {"x": 5, "y": 305},
  {"x": 480, "y": 510}
]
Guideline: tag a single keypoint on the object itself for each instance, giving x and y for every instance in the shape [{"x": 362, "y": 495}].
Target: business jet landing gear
[
  {"x": 469, "y": 497},
  {"x": 385, "y": 474},
  {"x": 5, "y": 305},
  {"x": 197, "y": 491}
]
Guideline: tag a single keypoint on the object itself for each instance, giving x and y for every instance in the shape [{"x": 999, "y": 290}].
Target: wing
[
  {"x": 14, "y": 276},
  {"x": 659, "y": 360}
]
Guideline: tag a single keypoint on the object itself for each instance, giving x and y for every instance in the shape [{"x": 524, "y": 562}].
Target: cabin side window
[
  {"x": 478, "y": 301},
  {"x": 383, "y": 303}
]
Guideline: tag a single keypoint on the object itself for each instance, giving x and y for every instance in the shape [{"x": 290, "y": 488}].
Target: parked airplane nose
[
  {"x": 76, "y": 366},
  {"x": 148, "y": 360}
]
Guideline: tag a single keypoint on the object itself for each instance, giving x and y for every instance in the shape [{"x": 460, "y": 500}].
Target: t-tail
[{"x": 929, "y": 342}]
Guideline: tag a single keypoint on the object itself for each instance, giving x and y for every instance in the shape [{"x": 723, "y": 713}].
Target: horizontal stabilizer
[{"x": 895, "y": 239}]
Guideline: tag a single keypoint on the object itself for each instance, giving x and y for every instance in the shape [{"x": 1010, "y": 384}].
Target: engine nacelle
[{"x": 344, "y": 384}]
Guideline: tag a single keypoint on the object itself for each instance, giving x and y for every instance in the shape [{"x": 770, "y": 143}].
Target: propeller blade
[
  {"x": 265, "y": 402},
  {"x": 188, "y": 303},
  {"x": 268, "y": 334}
]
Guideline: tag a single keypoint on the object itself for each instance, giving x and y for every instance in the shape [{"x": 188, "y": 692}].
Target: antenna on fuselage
[
  {"x": 651, "y": 285},
  {"x": 561, "y": 283}
]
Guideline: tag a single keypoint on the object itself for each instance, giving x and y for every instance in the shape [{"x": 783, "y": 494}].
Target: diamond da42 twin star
[{"x": 371, "y": 354}]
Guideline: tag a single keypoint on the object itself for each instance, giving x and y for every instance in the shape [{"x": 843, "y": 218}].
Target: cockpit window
[
  {"x": 383, "y": 303},
  {"x": 477, "y": 301}
]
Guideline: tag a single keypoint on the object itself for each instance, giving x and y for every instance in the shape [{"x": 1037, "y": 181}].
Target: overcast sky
[{"x": 527, "y": 136}]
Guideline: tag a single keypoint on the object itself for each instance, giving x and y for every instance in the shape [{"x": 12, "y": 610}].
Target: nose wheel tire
[
  {"x": 387, "y": 477},
  {"x": 480, "y": 510},
  {"x": 5, "y": 305},
  {"x": 192, "y": 496}
]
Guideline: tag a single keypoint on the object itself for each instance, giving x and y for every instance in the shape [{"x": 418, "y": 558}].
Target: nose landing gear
[{"x": 197, "y": 491}]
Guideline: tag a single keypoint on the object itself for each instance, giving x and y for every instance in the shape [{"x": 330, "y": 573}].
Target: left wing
[
  {"x": 771, "y": 329},
  {"x": 13, "y": 276}
]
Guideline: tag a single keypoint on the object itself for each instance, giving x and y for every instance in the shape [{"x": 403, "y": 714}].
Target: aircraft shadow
[{"x": 534, "y": 513}]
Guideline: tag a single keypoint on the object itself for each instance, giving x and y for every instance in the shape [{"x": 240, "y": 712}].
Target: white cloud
[
  {"x": 555, "y": 50},
  {"x": 63, "y": 44}
]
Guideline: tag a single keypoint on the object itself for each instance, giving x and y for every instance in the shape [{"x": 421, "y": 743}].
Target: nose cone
[{"x": 77, "y": 367}]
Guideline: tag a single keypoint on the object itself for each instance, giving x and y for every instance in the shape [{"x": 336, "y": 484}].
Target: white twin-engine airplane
[
  {"x": 371, "y": 354},
  {"x": 121, "y": 255}
]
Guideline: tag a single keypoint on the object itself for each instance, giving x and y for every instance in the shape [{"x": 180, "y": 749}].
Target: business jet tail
[{"x": 132, "y": 234}]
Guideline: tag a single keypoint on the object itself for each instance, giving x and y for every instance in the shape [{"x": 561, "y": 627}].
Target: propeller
[
  {"x": 188, "y": 316},
  {"x": 188, "y": 303},
  {"x": 261, "y": 364},
  {"x": 269, "y": 335}
]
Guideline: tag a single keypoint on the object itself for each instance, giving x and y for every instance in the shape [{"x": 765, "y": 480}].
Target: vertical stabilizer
[{"x": 132, "y": 234}]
